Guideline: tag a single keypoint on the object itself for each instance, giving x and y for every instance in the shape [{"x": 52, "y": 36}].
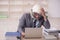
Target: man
[{"x": 34, "y": 20}]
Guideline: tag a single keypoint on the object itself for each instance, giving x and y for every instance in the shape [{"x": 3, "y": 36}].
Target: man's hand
[
  {"x": 43, "y": 14},
  {"x": 23, "y": 34}
]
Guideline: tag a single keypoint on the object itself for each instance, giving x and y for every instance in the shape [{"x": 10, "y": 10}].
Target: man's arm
[
  {"x": 46, "y": 24},
  {"x": 21, "y": 24}
]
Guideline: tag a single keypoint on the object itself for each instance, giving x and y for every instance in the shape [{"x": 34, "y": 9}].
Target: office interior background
[{"x": 12, "y": 10}]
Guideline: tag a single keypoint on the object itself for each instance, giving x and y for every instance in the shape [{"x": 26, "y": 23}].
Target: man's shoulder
[{"x": 26, "y": 14}]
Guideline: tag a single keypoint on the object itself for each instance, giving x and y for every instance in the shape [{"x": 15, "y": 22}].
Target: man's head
[{"x": 36, "y": 11}]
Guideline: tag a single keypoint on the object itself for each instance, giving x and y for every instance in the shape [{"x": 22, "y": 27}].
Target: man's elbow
[{"x": 47, "y": 26}]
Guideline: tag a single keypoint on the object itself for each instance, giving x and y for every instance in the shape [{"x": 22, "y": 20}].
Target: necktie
[{"x": 36, "y": 23}]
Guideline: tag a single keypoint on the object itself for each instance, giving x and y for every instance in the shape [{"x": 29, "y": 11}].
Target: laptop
[{"x": 33, "y": 32}]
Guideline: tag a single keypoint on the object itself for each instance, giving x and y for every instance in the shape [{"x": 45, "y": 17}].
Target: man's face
[{"x": 37, "y": 15}]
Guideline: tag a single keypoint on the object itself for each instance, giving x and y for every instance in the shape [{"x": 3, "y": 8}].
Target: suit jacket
[{"x": 27, "y": 21}]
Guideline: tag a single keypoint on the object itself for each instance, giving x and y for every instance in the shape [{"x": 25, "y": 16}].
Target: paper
[{"x": 51, "y": 30}]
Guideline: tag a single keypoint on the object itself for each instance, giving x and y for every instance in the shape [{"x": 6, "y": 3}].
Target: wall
[{"x": 54, "y": 8}]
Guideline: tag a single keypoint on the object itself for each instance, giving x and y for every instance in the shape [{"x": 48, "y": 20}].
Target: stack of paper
[{"x": 51, "y": 30}]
